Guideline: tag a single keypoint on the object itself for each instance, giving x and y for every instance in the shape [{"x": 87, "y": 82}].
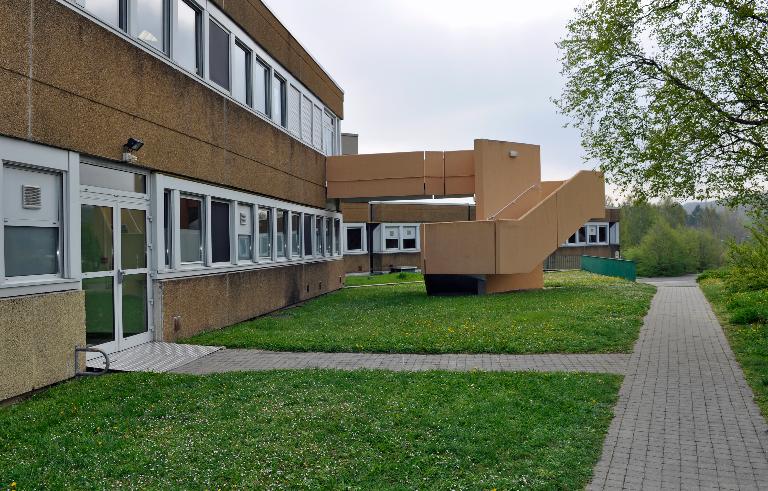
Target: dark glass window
[
  {"x": 354, "y": 239},
  {"x": 220, "y": 250},
  {"x": 167, "y": 231},
  {"x": 31, "y": 251},
  {"x": 307, "y": 235},
  {"x": 191, "y": 230},
  {"x": 218, "y": 54},
  {"x": 282, "y": 228},
  {"x": 602, "y": 233}
]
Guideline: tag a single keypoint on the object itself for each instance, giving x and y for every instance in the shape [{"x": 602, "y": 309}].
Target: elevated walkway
[{"x": 520, "y": 219}]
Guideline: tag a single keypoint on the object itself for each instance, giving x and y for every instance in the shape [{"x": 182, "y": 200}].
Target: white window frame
[
  {"x": 67, "y": 164},
  {"x": 380, "y": 237},
  {"x": 179, "y": 187},
  {"x": 364, "y": 241},
  {"x": 209, "y": 11}
]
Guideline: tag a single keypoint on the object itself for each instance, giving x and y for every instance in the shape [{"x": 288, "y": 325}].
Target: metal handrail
[
  {"x": 533, "y": 186},
  {"x": 91, "y": 349}
]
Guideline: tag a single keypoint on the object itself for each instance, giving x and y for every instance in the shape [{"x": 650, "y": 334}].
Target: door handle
[{"x": 120, "y": 276}]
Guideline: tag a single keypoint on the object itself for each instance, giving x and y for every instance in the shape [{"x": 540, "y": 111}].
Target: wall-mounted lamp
[
  {"x": 133, "y": 145},
  {"x": 513, "y": 154}
]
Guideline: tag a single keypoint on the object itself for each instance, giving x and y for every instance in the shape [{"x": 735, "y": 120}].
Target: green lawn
[
  {"x": 577, "y": 313},
  {"x": 378, "y": 279},
  {"x": 310, "y": 430},
  {"x": 749, "y": 342}
]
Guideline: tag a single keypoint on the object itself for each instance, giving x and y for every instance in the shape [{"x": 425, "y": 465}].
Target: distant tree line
[{"x": 665, "y": 240}]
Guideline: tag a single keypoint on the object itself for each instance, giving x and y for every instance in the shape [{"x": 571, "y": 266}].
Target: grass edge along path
[
  {"x": 749, "y": 342},
  {"x": 310, "y": 429},
  {"x": 576, "y": 313}
]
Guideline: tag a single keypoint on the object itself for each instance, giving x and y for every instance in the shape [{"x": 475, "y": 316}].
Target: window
[
  {"x": 328, "y": 236},
  {"x": 149, "y": 19},
  {"x": 318, "y": 236},
  {"x": 218, "y": 54},
  {"x": 355, "y": 238},
  {"x": 307, "y": 235},
  {"x": 317, "y": 127},
  {"x": 409, "y": 237},
  {"x": 220, "y": 247},
  {"x": 241, "y": 73},
  {"x": 572, "y": 239},
  {"x": 244, "y": 232},
  {"x": 294, "y": 111},
  {"x": 261, "y": 88},
  {"x": 191, "y": 229},
  {"x": 33, "y": 205},
  {"x": 187, "y": 41},
  {"x": 282, "y": 231},
  {"x": 336, "y": 236},
  {"x": 295, "y": 234},
  {"x": 278, "y": 100},
  {"x": 602, "y": 233},
  {"x": 329, "y": 134},
  {"x": 265, "y": 233},
  {"x": 391, "y": 237},
  {"x": 105, "y": 177},
  {"x": 582, "y": 235},
  {"x": 306, "y": 119},
  {"x": 110, "y": 11},
  {"x": 167, "y": 229}
]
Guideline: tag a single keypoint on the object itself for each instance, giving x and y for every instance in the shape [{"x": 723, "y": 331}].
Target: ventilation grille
[{"x": 31, "y": 197}]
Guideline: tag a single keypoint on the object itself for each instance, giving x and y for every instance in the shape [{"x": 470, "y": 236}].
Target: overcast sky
[{"x": 436, "y": 74}]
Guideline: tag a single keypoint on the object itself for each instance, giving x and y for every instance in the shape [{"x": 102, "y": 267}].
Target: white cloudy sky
[{"x": 436, "y": 74}]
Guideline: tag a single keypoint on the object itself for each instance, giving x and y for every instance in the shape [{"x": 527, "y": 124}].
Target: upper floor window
[
  {"x": 329, "y": 134},
  {"x": 261, "y": 88},
  {"x": 187, "y": 45},
  {"x": 149, "y": 21},
  {"x": 218, "y": 54},
  {"x": 241, "y": 73},
  {"x": 110, "y": 11},
  {"x": 279, "y": 101}
]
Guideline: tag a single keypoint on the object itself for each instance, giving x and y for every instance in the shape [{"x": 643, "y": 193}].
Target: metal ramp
[{"x": 153, "y": 357}]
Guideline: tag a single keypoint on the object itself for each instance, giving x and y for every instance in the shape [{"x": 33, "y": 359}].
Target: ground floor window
[
  {"x": 354, "y": 238},
  {"x": 295, "y": 234},
  {"x": 244, "y": 232},
  {"x": 191, "y": 229},
  {"x": 307, "y": 234},
  {"x": 265, "y": 233},
  {"x": 220, "y": 246}
]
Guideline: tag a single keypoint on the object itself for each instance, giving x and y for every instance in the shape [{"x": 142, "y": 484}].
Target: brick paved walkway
[
  {"x": 685, "y": 417},
  {"x": 230, "y": 360}
]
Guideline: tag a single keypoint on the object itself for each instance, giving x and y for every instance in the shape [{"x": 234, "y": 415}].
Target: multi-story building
[{"x": 163, "y": 173}]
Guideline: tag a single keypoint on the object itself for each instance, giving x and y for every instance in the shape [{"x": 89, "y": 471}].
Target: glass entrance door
[{"x": 115, "y": 274}]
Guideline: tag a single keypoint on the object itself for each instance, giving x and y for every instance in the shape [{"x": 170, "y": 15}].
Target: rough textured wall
[
  {"x": 358, "y": 263},
  {"x": 419, "y": 213},
  {"x": 211, "y": 302},
  {"x": 71, "y": 84},
  {"x": 38, "y": 336},
  {"x": 384, "y": 262},
  {"x": 262, "y": 25}
]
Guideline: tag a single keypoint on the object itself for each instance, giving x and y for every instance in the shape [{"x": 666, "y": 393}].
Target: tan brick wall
[
  {"x": 38, "y": 336},
  {"x": 211, "y": 302},
  {"x": 358, "y": 263},
  {"x": 418, "y": 213},
  {"x": 384, "y": 262},
  {"x": 90, "y": 91}
]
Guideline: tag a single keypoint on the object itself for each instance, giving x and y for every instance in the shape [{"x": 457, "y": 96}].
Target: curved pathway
[{"x": 686, "y": 418}]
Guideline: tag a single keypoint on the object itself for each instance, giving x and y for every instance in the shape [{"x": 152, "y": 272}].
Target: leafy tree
[
  {"x": 671, "y": 96},
  {"x": 749, "y": 261},
  {"x": 663, "y": 252},
  {"x": 636, "y": 219}
]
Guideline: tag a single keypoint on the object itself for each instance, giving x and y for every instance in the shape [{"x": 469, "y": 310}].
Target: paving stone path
[
  {"x": 685, "y": 418},
  {"x": 229, "y": 360}
]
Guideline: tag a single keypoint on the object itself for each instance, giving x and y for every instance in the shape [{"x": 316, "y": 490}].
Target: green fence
[{"x": 609, "y": 267}]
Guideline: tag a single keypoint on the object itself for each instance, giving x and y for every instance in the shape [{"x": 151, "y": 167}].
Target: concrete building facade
[{"x": 163, "y": 173}]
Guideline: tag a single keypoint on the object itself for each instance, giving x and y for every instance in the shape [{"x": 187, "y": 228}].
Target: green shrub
[
  {"x": 748, "y": 307},
  {"x": 718, "y": 274},
  {"x": 663, "y": 252},
  {"x": 749, "y": 261}
]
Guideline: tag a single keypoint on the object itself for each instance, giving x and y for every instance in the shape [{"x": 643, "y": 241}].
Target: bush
[
  {"x": 663, "y": 252},
  {"x": 716, "y": 274},
  {"x": 748, "y": 307},
  {"x": 749, "y": 261}
]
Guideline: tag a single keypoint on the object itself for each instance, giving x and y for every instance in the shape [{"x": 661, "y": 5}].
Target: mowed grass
[
  {"x": 749, "y": 342},
  {"x": 378, "y": 279},
  {"x": 576, "y": 313},
  {"x": 310, "y": 430}
]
